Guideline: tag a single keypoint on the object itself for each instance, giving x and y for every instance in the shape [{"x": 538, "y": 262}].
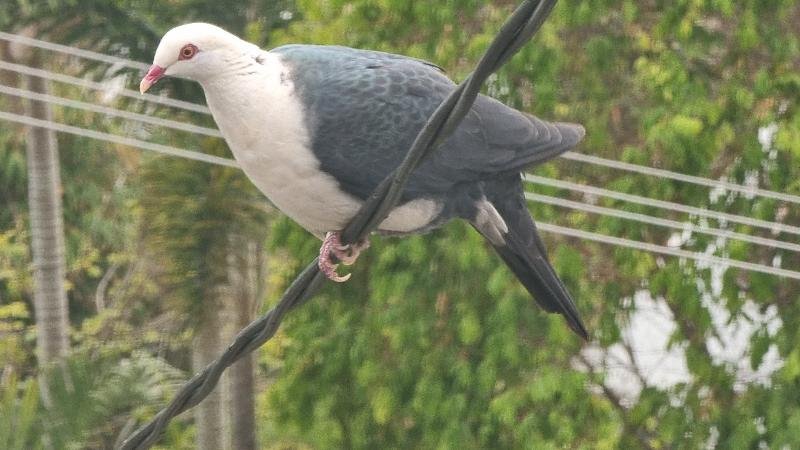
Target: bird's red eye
[{"x": 187, "y": 52}]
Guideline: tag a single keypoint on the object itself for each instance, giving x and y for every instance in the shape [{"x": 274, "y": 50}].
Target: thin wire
[
  {"x": 723, "y": 217},
  {"x": 644, "y": 218},
  {"x": 661, "y": 173},
  {"x": 70, "y": 103},
  {"x": 215, "y": 133},
  {"x": 580, "y": 234},
  {"x": 188, "y": 154},
  {"x": 116, "y": 139},
  {"x": 651, "y": 171},
  {"x": 588, "y": 189},
  {"x": 74, "y": 51},
  {"x": 61, "y": 78}
]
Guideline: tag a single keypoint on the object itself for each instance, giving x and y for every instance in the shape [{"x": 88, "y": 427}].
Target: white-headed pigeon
[{"x": 316, "y": 128}]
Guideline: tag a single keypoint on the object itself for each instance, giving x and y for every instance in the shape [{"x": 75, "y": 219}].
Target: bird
[{"x": 317, "y": 127}]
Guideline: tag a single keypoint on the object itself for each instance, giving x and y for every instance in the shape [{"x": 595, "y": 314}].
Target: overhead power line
[
  {"x": 226, "y": 162},
  {"x": 674, "y": 224},
  {"x": 661, "y": 173},
  {"x": 188, "y": 154},
  {"x": 116, "y": 139},
  {"x": 723, "y": 217},
  {"x": 74, "y": 51},
  {"x": 614, "y": 164},
  {"x": 144, "y": 118},
  {"x": 89, "y": 84},
  {"x": 580, "y": 234}
]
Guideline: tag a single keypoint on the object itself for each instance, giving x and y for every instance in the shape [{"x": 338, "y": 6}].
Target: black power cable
[{"x": 518, "y": 29}]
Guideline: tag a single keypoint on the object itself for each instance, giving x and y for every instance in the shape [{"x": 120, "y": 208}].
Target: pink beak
[{"x": 154, "y": 74}]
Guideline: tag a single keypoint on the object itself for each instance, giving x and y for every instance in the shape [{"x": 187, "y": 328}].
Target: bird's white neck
[
  {"x": 262, "y": 120},
  {"x": 244, "y": 75},
  {"x": 255, "y": 100}
]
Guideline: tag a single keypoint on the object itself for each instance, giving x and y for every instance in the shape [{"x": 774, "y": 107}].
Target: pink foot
[{"x": 346, "y": 254}]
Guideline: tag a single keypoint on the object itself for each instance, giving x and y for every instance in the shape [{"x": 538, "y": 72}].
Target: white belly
[
  {"x": 266, "y": 132},
  {"x": 296, "y": 187},
  {"x": 289, "y": 175}
]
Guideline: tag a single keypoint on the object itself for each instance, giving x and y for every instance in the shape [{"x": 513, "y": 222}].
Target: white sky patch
[
  {"x": 591, "y": 199},
  {"x": 684, "y": 237},
  {"x": 717, "y": 268},
  {"x": 766, "y": 136},
  {"x": 648, "y": 333},
  {"x": 675, "y": 240},
  {"x": 645, "y": 356},
  {"x": 731, "y": 345},
  {"x": 777, "y": 260},
  {"x": 751, "y": 182},
  {"x": 113, "y": 87},
  {"x": 718, "y": 191}
]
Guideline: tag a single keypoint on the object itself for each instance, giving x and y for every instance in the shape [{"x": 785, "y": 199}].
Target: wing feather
[{"x": 365, "y": 108}]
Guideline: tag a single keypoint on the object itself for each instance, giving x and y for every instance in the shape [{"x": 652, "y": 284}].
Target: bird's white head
[{"x": 196, "y": 51}]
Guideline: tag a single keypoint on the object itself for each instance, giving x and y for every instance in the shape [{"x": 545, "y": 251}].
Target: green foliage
[
  {"x": 433, "y": 343},
  {"x": 420, "y": 363},
  {"x": 190, "y": 211},
  {"x": 89, "y": 398},
  {"x": 465, "y": 360},
  {"x": 19, "y": 405}
]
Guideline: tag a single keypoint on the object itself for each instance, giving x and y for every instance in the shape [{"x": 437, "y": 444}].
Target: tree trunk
[
  {"x": 239, "y": 383},
  {"x": 47, "y": 230},
  {"x": 226, "y": 419},
  {"x": 208, "y": 414}
]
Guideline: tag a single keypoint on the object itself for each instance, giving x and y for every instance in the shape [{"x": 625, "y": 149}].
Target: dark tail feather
[
  {"x": 530, "y": 265},
  {"x": 525, "y": 254}
]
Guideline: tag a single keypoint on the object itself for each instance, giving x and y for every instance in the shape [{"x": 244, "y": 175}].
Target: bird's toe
[{"x": 332, "y": 246}]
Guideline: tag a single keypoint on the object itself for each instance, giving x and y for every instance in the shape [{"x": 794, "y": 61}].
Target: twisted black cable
[{"x": 516, "y": 31}]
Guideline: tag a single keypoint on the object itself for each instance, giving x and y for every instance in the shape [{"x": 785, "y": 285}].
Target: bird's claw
[{"x": 345, "y": 254}]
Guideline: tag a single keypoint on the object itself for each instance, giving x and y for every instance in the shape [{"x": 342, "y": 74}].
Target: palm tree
[
  {"x": 47, "y": 229},
  {"x": 246, "y": 275},
  {"x": 194, "y": 215},
  {"x": 208, "y": 419},
  {"x": 200, "y": 219}
]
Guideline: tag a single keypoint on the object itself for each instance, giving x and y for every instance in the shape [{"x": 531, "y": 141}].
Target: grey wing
[{"x": 366, "y": 108}]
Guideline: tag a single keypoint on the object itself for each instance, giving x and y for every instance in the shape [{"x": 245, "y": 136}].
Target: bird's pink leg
[{"x": 346, "y": 254}]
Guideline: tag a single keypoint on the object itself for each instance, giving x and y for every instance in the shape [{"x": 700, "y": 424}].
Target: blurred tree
[
  {"x": 246, "y": 271},
  {"x": 433, "y": 343},
  {"x": 200, "y": 219},
  {"x": 463, "y": 361},
  {"x": 222, "y": 227},
  {"x": 47, "y": 238},
  {"x": 47, "y": 233}
]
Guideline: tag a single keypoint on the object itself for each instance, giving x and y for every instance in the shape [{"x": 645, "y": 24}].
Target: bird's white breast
[{"x": 262, "y": 121}]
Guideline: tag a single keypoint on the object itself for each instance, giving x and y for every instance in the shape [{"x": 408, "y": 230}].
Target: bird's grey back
[{"x": 364, "y": 109}]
